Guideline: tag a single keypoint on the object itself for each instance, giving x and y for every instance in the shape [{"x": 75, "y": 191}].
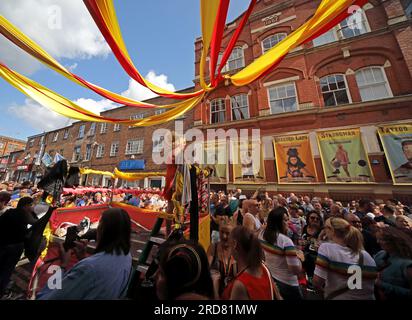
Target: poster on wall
[
  {"x": 215, "y": 157},
  {"x": 343, "y": 156},
  {"x": 397, "y": 143},
  {"x": 247, "y": 162},
  {"x": 294, "y": 160}
]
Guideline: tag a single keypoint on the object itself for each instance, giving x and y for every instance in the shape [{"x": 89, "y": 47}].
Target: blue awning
[{"x": 131, "y": 165}]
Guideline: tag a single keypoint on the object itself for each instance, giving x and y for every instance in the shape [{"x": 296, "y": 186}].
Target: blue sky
[{"x": 159, "y": 34}]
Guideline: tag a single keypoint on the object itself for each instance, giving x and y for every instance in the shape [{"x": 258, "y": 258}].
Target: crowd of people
[
  {"x": 263, "y": 247},
  {"x": 309, "y": 245}
]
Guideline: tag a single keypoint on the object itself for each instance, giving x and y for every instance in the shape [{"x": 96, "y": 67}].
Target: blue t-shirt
[{"x": 101, "y": 276}]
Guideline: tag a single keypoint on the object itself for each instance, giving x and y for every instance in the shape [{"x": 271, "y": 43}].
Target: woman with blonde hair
[{"x": 344, "y": 270}]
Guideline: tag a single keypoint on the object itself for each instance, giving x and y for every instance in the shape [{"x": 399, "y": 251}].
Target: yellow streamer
[
  {"x": 65, "y": 107},
  {"x": 91, "y": 171},
  {"x": 326, "y": 12},
  {"x": 132, "y": 176},
  {"x": 208, "y": 12}
]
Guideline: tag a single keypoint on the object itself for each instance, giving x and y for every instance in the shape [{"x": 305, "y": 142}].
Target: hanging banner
[
  {"x": 397, "y": 143},
  {"x": 294, "y": 160},
  {"x": 215, "y": 158},
  {"x": 343, "y": 156},
  {"x": 247, "y": 162},
  {"x": 47, "y": 160}
]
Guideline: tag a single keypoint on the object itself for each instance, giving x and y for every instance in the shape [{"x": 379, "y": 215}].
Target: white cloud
[
  {"x": 138, "y": 92},
  {"x": 42, "y": 119},
  {"x": 38, "y": 117},
  {"x": 63, "y": 28},
  {"x": 96, "y": 106}
]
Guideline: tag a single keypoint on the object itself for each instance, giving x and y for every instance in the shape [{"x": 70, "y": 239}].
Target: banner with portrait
[
  {"x": 343, "y": 156},
  {"x": 294, "y": 160},
  {"x": 215, "y": 157},
  {"x": 247, "y": 162},
  {"x": 397, "y": 143}
]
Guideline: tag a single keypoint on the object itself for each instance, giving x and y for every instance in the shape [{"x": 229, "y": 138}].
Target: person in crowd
[
  {"x": 336, "y": 211},
  {"x": 238, "y": 215},
  {"x": 251, "y": 218},
  {"x": 403, "y": 222},
  {"x": 319, "y": 209},
  {"x": 222, "y": 212},
  {"x": 364, "y": 207},
  {"x": 344, "y": 249},
  {"x": 394, "y": 265},
  {"x": 13, "y": 231},
  {"x": 253, "y": 281},
  {"x": 388, "y": 215},
  {"x": 370, "y": 242},
  {"x": 105, "y": 274},
  {"x": 307, "y": 205},
  {"x": 183, "y": 273},
  {"x": 4, "y": 200},
  {"x": 296, "y": 220},
  {"x": 281, "y": 255},
  {"x": 309, "y": 243},
  {"x": 222, "y": 263}
]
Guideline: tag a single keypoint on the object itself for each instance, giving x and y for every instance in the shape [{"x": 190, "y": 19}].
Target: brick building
[
  {"x": 348, "y": 78},
  {"x": 104, "y": 146},
  {"x": 8, "y": 144}
]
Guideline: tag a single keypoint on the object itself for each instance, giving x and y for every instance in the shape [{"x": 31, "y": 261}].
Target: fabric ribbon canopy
[
  {"x": 129, "y": 176},
  {"x": 213, "y": 19}
]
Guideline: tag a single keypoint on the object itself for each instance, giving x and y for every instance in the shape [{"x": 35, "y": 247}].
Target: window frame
[
  {"x": 138, "y": 151},
  {"x": 226, "y": 67},
  {"x": 116, "y": 143},
  {"x": 88, "y": 153},
  {"x": 278, "y": 85},
  {"x": 83, "y": 132},
  {"x": 92, "y": 132},
  {"x": 224, "y": 110},
  {"x": 116, "y": 127},
  {"x": 66, "y": 134},
  {"x": 387, "y": 84},
  {"x": 103, "y": 128},
  {"x": 346, "y": 88},
  {"x": 272, "y": 35},
  {"x": 100, "y": 151},
  {"x": 76, "y": 155},
  {"x": 231, "y": 106}
]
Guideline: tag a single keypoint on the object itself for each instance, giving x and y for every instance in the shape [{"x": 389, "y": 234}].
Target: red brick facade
[
  {"x": 385, "y": 43},
  {"x": 104, "y": 160}
]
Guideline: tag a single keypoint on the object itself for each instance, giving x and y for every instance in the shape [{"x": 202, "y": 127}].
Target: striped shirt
[
  {"x": 332, "y": 265},
  {"x": 279, "y": 256}
]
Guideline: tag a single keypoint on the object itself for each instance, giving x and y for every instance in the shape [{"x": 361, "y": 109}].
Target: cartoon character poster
[
  {"x": 294, "y": 160},
  {"x": 343, "y": 156},
  {"x": 397, "y": 143}
]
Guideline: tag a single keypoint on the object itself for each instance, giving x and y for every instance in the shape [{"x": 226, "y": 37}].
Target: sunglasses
[{"x": 314, "y": 218}]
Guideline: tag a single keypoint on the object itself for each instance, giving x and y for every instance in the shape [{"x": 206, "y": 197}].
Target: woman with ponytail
[
  {"x": 253, "y": 281},
  {"x": 344, "y": 270}
]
